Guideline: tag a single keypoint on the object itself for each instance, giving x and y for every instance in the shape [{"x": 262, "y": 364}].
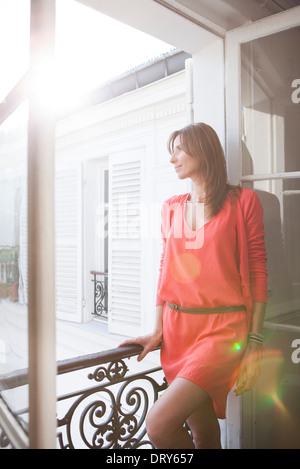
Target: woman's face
[{"x": 186, "y": 166}]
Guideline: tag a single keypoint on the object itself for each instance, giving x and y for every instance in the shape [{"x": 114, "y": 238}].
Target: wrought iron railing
[
  {"x": 107, "y": 404},
  {"x": 100, "y": 280}
]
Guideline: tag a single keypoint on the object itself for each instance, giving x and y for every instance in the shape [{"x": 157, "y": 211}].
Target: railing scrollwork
[
  {"x": 100, "y": 280},
  {"x": 110, "y": 411}
]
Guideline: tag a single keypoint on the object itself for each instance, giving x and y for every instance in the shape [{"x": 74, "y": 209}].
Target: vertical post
[
  {"x": 41, "y": 308},
  {"x": 189, "y": 91},
  {"x": 95, "y": 293}
]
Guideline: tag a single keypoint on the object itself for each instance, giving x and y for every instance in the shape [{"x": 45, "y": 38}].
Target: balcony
[
  {"x": 100, "y": 280},
  {"x": 103, "y": 400}
]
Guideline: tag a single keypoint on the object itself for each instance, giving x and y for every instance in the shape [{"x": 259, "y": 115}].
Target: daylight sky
[{"x": 91, "y": 48}]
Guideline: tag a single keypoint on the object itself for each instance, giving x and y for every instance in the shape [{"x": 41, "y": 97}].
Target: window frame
[{"x": 233, "y": 41}]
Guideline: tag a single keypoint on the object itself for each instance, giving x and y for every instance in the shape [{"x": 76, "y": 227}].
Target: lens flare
[
  {"x": 269, "y": 381},
  {"x": 237, "y": 346}
]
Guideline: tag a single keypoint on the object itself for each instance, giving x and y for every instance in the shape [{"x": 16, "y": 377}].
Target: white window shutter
[
  {"x": 68, "y": 236},
  {"x": 125, "y": 246}
]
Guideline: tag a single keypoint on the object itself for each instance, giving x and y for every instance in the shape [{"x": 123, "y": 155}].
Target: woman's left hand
[{"x": 249, "y": 370}]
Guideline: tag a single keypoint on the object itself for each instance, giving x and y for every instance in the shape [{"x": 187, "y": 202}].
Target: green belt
[{"x": 221, "y": 309}]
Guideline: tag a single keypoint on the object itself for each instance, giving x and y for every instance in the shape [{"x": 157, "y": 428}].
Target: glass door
[{"x": 264, "y": 155}]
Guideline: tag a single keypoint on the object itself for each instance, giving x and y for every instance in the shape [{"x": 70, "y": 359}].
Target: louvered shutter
[
  {"x": 68, "y": 235},
  {"x": 125, "y": 249}
]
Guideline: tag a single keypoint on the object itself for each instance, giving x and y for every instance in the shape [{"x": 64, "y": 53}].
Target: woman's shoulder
[
  {"x": 248, "y": 196},
  {"x": 176, "y": 199},
  {"x": 250, "y": 202}
]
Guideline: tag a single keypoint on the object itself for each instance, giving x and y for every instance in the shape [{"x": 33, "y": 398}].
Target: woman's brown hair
[{"x": 202, "y": 142}]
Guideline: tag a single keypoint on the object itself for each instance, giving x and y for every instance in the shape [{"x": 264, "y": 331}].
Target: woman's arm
[
  {"x": 257, "y": 319},
  {"x": 249, "y": 370},
  {"x": 149, "y": 341},
  {"x": 254, "y": 226},
  {"x": 255, "y": 248}
]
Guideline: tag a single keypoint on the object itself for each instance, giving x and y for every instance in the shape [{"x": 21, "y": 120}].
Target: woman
[{"x": 211, "y": 295}]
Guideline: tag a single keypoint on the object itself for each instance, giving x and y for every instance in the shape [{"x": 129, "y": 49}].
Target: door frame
[{"x": 233, "y": 41}]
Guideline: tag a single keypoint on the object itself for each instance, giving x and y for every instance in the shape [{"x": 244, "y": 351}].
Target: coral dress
[{"x": 202, "y": 269}]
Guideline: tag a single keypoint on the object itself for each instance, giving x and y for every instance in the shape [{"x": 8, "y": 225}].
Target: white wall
[{"x": 208, "y": 65}]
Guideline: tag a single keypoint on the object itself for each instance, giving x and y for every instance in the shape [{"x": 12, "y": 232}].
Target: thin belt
[{"x": 221, "y": 309}]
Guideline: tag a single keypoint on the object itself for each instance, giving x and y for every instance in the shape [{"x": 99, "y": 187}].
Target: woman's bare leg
[
  {"x": 205, "y": 428},
  {"x": 165, "y": 421}
]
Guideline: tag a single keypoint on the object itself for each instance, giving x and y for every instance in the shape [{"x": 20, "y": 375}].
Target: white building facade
[{"x": 124, "y": 140}]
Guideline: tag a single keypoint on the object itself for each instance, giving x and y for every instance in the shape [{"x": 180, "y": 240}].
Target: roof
[{"x": 153, "y": 70}]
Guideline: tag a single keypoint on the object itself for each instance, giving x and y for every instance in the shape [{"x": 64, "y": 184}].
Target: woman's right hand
[{"x": 148, "y": 342}]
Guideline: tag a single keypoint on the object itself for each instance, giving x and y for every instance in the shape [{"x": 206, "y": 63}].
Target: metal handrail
[{"x": 19, "y": 378}]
